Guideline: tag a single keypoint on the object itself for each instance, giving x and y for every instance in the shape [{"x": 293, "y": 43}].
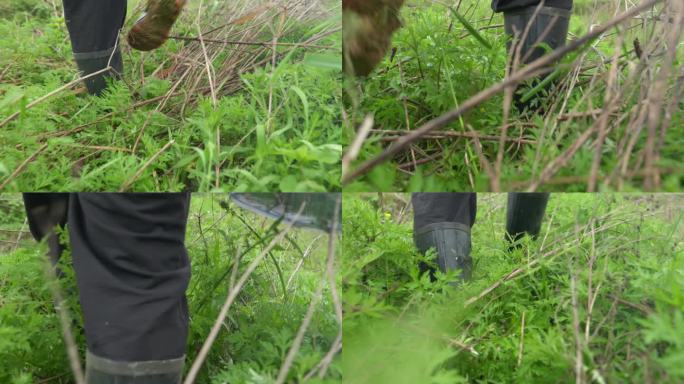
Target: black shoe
[
  {"x": 87, "y": 65},
  {"x": 524, "y": 214},
  {"x": 452, "y": 243},
  {"x": 549, "y": 27}
]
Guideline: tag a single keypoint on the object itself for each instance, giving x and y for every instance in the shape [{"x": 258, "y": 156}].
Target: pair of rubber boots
[
  {"x": 148, "y": 33},
  {"x": 533, "y": 30},
  {"x": 451, "y": 240},
  {"x": 47, "y": 211}
]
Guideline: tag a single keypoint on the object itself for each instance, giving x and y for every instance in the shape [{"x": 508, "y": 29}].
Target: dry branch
[
  {"x": 65, "y": 323},
  {"x": 142, "y": 169},
  {"x": 50, "y": 94},
  {"x": 22, "y": 166}
]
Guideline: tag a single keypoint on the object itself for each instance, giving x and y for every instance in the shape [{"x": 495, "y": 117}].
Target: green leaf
[{"x": 323, "y": 61}]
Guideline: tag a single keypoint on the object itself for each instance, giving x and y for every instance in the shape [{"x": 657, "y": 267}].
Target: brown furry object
[
  {"x": 151, "y": 31},
  {"x": 368, "y": 27}
]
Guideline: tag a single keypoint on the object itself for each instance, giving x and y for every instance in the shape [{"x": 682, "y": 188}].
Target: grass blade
[{"x": 471, "y": 29}]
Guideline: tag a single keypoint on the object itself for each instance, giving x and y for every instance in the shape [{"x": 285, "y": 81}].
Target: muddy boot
[
  {"x": 549, "y": 27},
  {"x": 152, "y": 29},
  {"x": 368, "y": 26},
  {"x": 100, "y": 370},
  {"x": 451, "y": 241},
  {"x": 45, "y": 212},
  {"x": 524, "y": 215},
  {"x": 88, "y": 64}
]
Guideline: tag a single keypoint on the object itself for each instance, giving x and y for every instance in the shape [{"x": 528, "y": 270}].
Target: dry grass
[{"x": 235, "y": 37}]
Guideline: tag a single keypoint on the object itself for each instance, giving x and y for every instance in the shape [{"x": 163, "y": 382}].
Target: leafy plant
[
  {"x": 274, "y": 125},
  {"x": 617, "y": 260}
]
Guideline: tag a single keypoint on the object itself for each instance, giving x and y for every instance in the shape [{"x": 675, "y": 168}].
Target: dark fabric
[
  {"x": 508, "y": 5},
  {"x": 45, "y": 212},
  {"x": 525, "y": 213},
  {"x": 132, "y": 270},
  {"x": 94, "y": 24},
  {"x": 430, "y": 208},
  {"x": 549, "y": 26}
]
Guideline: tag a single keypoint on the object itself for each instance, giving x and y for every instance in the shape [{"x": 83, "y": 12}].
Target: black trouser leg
[
  {"x": 94, "y": 29},
  {"x": 442, "y": 221},
  {"x": 430, "y": 208},
  {"x": 45, "y": 212},
  {"x": 132, "y": 271},
  {"x": 525, "y": 213}
]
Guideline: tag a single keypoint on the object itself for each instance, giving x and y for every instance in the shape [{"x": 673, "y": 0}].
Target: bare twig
[
  {"x": 22, "y": 166},
  {"x": 355, "y": 147},
  {"x": 258, "y": 43},
  {"x": 306, "y": 253},
  {"x": 603, "y": 120},
  {"x": 50, "y": 94},
  {"x": 449, "y": 134},
  {"x": 142, "y": 169},
  {"x": 65, "y": 323},
  {"x": 464, "y": 346},
  {"x": 207, "y": 62}
]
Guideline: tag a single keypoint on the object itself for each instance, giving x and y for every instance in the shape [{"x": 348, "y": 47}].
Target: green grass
[
  {"x": 255, "y": 337},
  {"x": 443, "y": 64},
  {"x": 401, "y": 328},
  {"x": 294, "y": 148}
]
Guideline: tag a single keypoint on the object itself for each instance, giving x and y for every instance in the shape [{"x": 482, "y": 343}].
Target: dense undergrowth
[
  {"x": 617, "y": 260},
  {"x": 436, "y": 64},
  {"x": 272, "y": 128},
  {"x": 256, "y": 335}
]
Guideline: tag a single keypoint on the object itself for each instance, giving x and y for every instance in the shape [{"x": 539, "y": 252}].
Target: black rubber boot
[
  {"x": 524, "y": 214},
  {"x": 45, "y": 212},
  {"x": 88, "y": 64},
  {"x": 550, "y": 27},
  {"x": 452, "y": 244},
  {"x": 100, "y": 370}
]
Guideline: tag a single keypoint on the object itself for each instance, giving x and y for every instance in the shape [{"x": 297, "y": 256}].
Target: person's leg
[
  {"x": 442, "y": 221},
  {"x": 549, "y": 27},
  {"x": 45, "y": 212},
  {"x": 94, "y": 31},
  {"x": 524, "y": 214},
  {"x": 132, "y": 271}
]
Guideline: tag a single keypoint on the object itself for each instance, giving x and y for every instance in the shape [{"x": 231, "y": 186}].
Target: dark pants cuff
[
  {"x": 509, "y": 5},
  {"x": 430, "y": 208}
]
